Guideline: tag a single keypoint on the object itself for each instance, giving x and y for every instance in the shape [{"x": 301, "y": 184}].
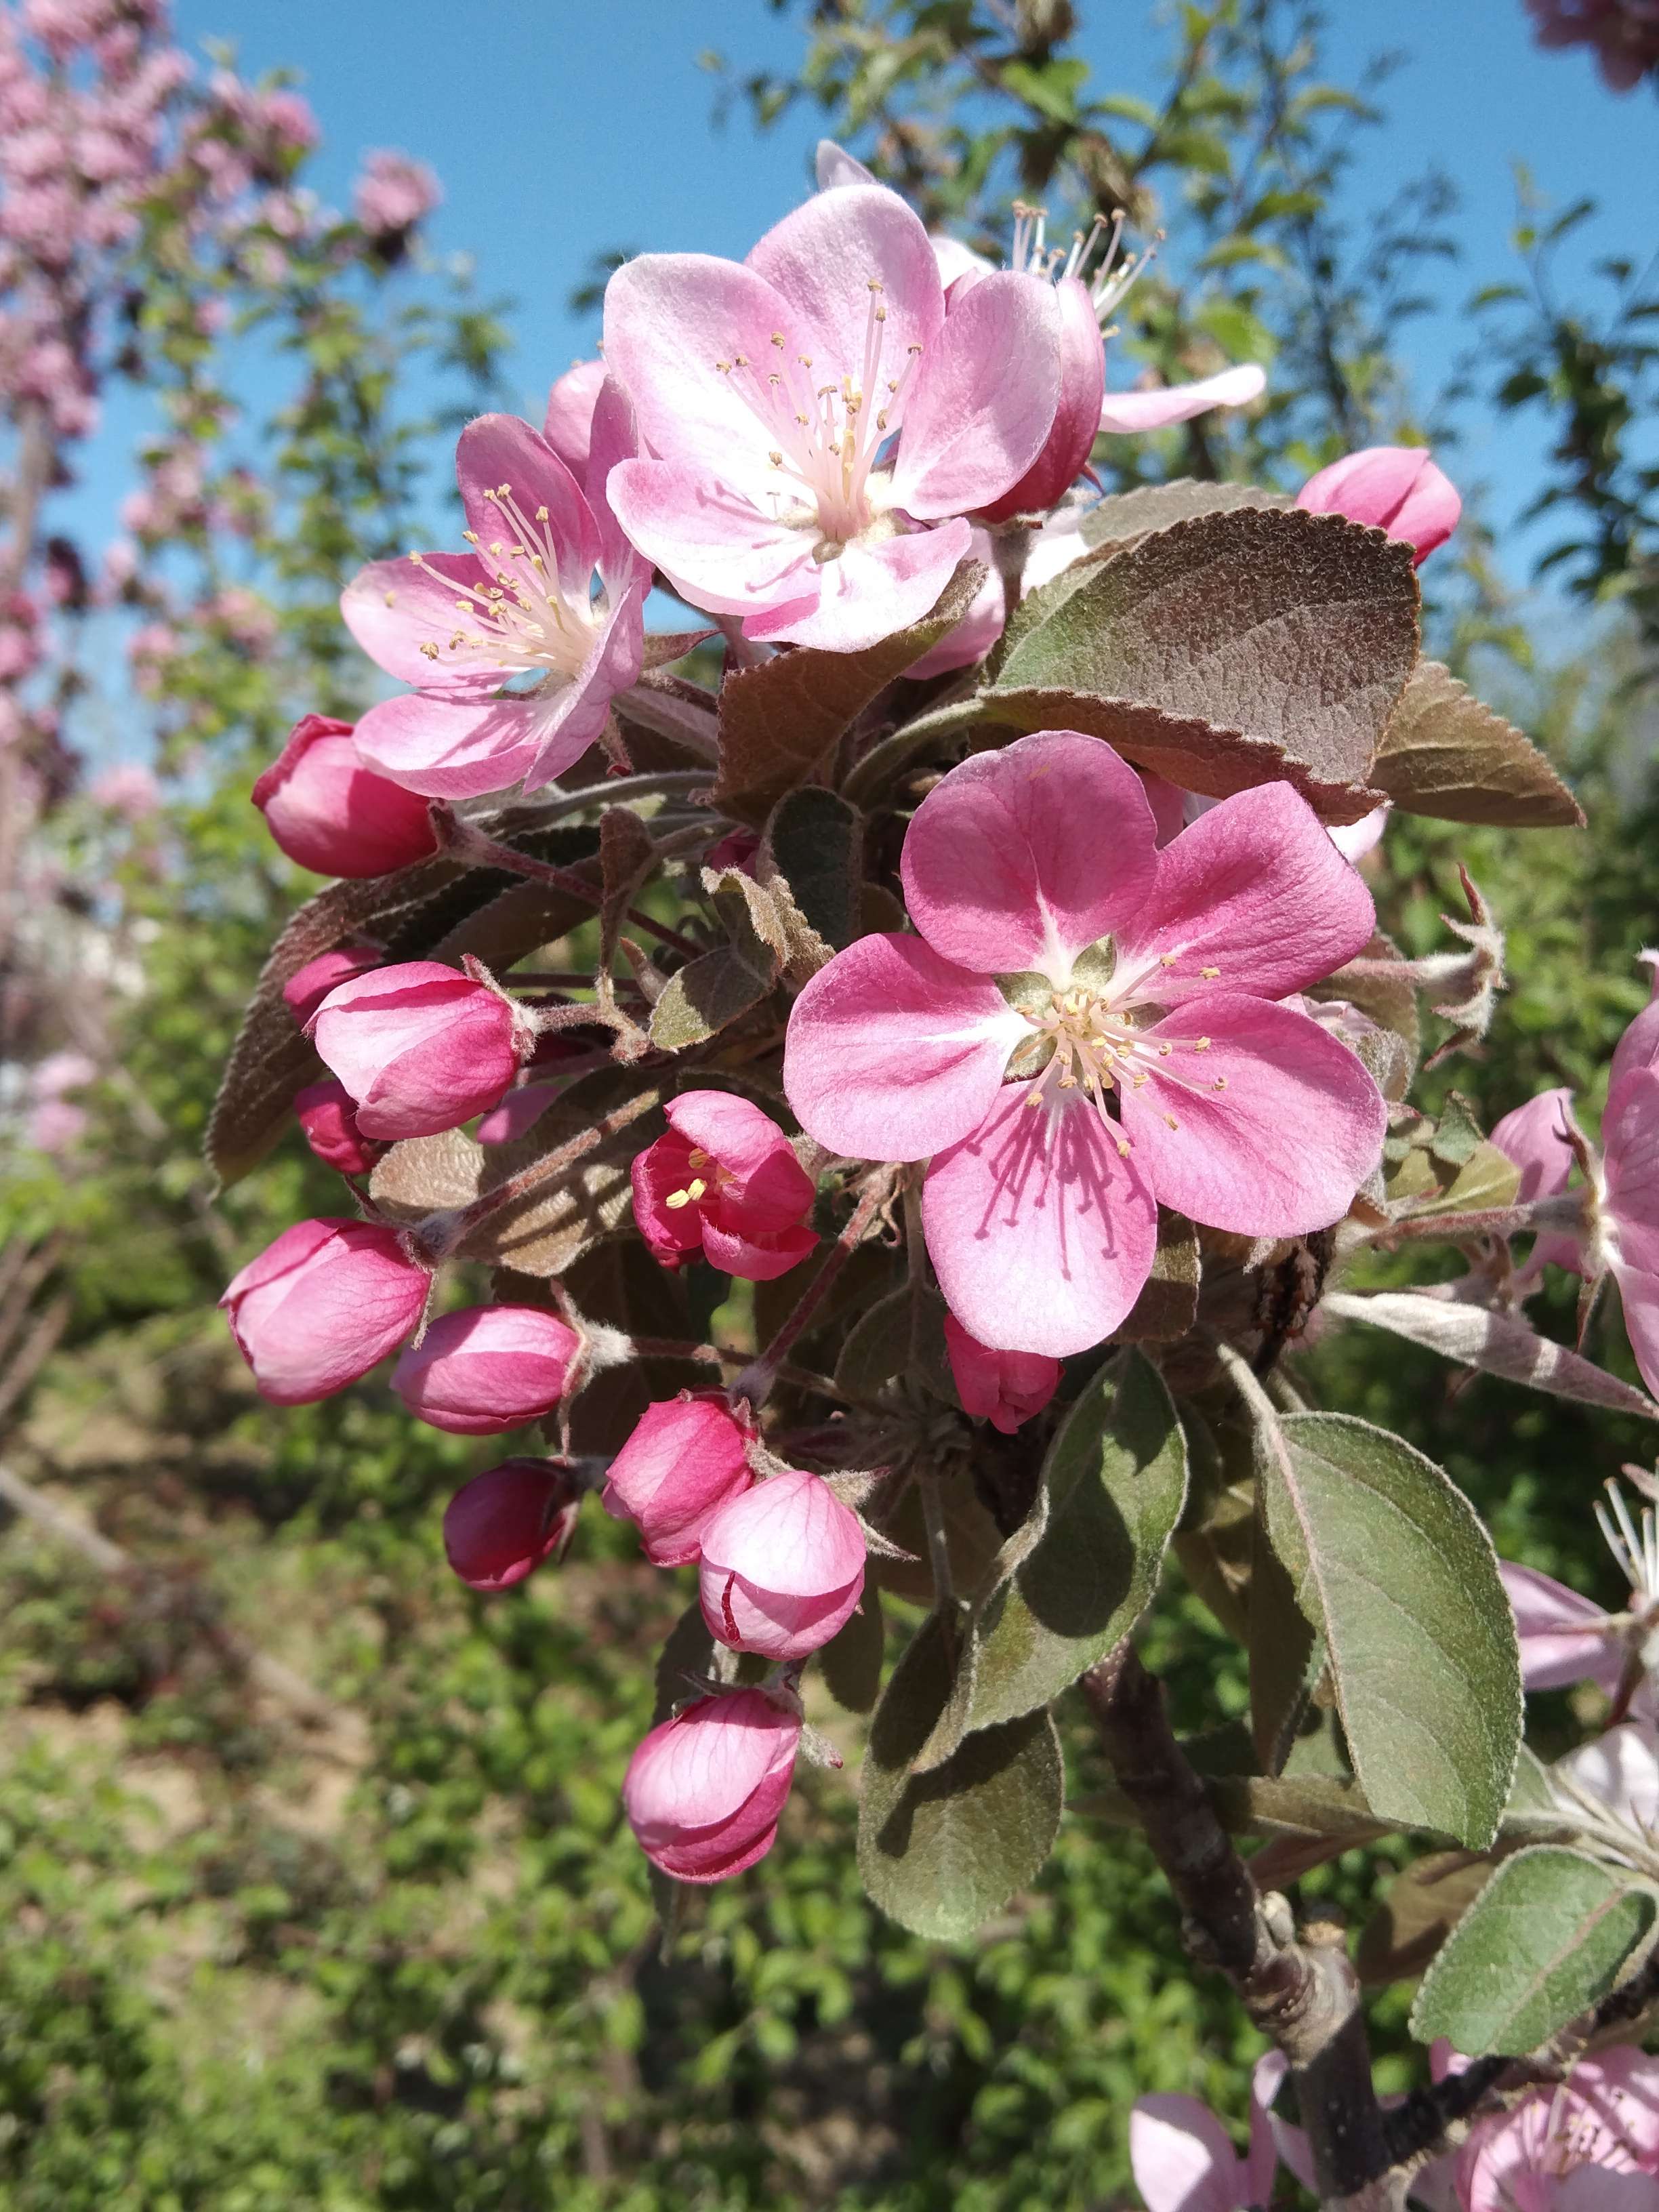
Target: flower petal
[
  {"x": 1638, "y": 1294},
  {"x": 711, "y": 541},
  {"x": 1630, "y": 1145},
  {"x": 394, "y": 609},
  {"x": 1267, "y": 1130},
  {"x": 1638, "y": 1048},
  {"x": 569, "y": 717},
  {"x": 983, "y": 404},
  {"x": 1020, "y": 858},
  {"x": 1041, "y": 1234},
  {"x": 1564, "y": 1639},
  {"x": 613, "y": 436},
  {"x": 1182, "y": 2158},
  {"x": 834, "y": 259},
  {"x": 567, "y": 425},
  {"x": 1255, "y": 890},
  {"x": 870, "y": 591},
  {"x": 501, "y": 459},
  {"x": 1131, "y": 413},
  {"x": 450, "y": 748}
]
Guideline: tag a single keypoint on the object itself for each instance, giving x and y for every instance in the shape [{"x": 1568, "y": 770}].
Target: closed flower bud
[
  {"x": 305, "y": 991},
  {"x": 487, "y": 1368},
  {"x": 704, "y": 1791},
  {"x": 782, "y": 1567},
  {"x": 724, "y": 1182},
  {"x": 420, "y": 1046},
  {"x": 1394, "y": 487},
  {"x": 329, "y": 1121},
  {"x": 329, "y": 811},
  {"x": 1004, "y": 1388},
  {"x": 686, "y": 1457},
  {"x": 320, "y": 1306},
  {"x": 502, "y": 1524}
]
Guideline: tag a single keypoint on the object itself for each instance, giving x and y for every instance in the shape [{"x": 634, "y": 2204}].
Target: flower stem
[
  {"x": 465, "y": 841},
  {"x": 758, "y": 1377},
  {"x": 442, "y": 1233}
]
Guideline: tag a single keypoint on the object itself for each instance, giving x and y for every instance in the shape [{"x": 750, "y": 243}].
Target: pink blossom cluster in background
[{"x": 1624, "y": 33}]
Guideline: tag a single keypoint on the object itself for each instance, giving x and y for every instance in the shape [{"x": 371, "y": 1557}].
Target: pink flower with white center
[
  {"x": 1589, "y": 2145},
  {"x": 1394, "y": 487},
  {"x": 501, "y": 1526},
  {"x": 1006, "y": 1388},
  {"x": 782, "y": 1567},
  {"x": 488, "y": 1369},
  {"x": 1086, "y": 1026},
  {"x": 322, "y": 1305},
  {"x": 519, "y": 610},
  {"x": 420, "y": 1046},
  {"x": 686, "y": 1458},
  {"x": 819, "y": 424},
  {"x": 328, "y": 1121},
  {"x": 704, "y": 1791},
  {"x": 1566, "y": 1639},
  {"x": 1183, "y": 2159},
  {"x": 724, "y": 1182}
]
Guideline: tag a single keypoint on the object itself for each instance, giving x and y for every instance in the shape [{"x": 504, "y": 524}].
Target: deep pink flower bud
[
  {"x": 305, "y": 991},
  {"x": 782, "y": 1567},
  {"x": 420, "y": 1046},
  {"x": 1394, "y": 487},
  {"x": 487, "y": 1368},
  {"x": 502, "y": 1524},
  {"x": 1006, "y": 1388},
  {"x": 686, "y": 1457},
  {"x": 329, "y": 811},
  {"x": 724, "y": 1181},
  {"x": 320, "y": 1306},
  {"x": 1077, "y": 419},
  {"x": 329, "y": 1121},
  {"x": 703, "y": 1792}
]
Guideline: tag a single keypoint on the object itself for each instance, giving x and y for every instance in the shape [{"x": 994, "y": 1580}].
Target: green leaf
[
  {"x": 1546, "y": 1939},
  {"x": 1392, "y": 1566},
  {"x": 1168, "y": 1304},
  {"x": 1124, "y": 518},
  {"x": 814, "y": 852},
  {"x": 940, "y": 1851},
  {"x": 850, "y": 1661},
  {"x": 1445, "y": 754},
  {"x": 708, "y": 993}
]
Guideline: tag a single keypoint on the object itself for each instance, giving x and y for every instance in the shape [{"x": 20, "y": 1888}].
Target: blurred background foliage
[{"x": 377, "y": 1937}]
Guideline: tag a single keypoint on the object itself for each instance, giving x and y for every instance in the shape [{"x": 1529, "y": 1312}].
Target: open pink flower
[
  {"x": 725, "y": 1183},
  {"x": 1086, "y": 1026},
  {"x": 1183, "y": 2159},
  {"x": 686, "y": 1458},
  {"x": 1589, "y": 2145},
  {"x": 1394, "y": 487},
  {"x": 501, "y": 1525},
  {"x": 1566, "y": 1639},
  {"x": 770, "y": 394},
  {"x": 519, "y": 605},
  {"x": 782, "y": 1567},
  {"x": 1007, "y": 1389},
  {"x": 703, "y": 1792}
]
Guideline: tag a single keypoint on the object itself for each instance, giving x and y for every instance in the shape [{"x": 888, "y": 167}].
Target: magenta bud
[
  {"x": 704, "y": 1791},
  {"x": 329, "y": 811},
  {"x": 305, "y": 990},
  {"x": 420, "y": 1046},
  {"x": 782, "y": 1567},
  {"x": 1006, "y": 1388},
  {"x": 1394, "y": 487},
  {"x": 320, "y": 1306},
  {"x": 686, "y": 1457},
  {"x": 501, "y": 1525},
  {"x": 329, "y": 1121},
  {"x": 1077, "y": 418},
  {"x": 488, "y": 1369},
  {"x": 724, "y": 1182}
]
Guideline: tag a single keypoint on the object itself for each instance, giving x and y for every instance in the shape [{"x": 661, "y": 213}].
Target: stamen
[{"x": 694, "y": 1190}]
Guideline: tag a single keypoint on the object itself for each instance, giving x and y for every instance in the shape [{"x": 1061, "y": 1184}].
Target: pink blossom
[
  {"x": 60, "y": 1072},
  {"x": 569, "y": 427},
  {"x": 63, "y": 25},
  {"x": 1183, "y": 2159},
  {"x": 1132, "y": 414},
  {"x": 1394, "y": 487},
  {"x": 724, "y": 1182},
  {"x": 329, "y": 811},
  {"x": 150, "y": 650},
  {"x": 328, "y": 1121},
  {"x": 127, "y": 788},
  {"x": 501, "y": 1525},
  {"x": 322, "y": 1305},
  {"x": 993, "y": 1041},
  {"x": 1589, "y": 2145},
  {"x": 420, "y": 1046},
  {"x": 1534, "y": 1137},
  {"x": 459, "y": 625},
  {"x": 393, "y": 193},
  {"x": 704, "y": 1791},
  {"x": 1624, "y": 33},
  {"x": 782, "y": 1567},
  {"x": 736, "y": 849},
  {"x": 518, "y": 1113},
  {"x": 686, "y": 1457},
  {"x": 244, "y": 619},
  {"x": 54, "y": 1126},
  {"x": 1007, "y": 1389},
  {"x": 769, "y": 392},
  {"x": 1566, "y": 1639},
  {"x": 305, "y": 991},
  {"x": 287, "y": 118},
  {"x": 487, "y": 1368}
]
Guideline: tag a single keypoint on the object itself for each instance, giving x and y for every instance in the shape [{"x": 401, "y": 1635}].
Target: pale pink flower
[
  {"x": 686, "y": 1457},
  {"x": 769, "y": 394},
  {"x": 393, "y": 193},
  {"x": 328, "y": 1120},
  {"x": 568, "y": 426},
  {"x": 704, "y": 1791},
  {"x": 322, "y": 1305},
  {"x": 782, "y": 1567},
  {"x": 521, "y": 604},
  {"x": 1393, "y": 488},
  {"x": 1006, "y": 1388},
  {"x": 60, "y": 1072},
  {"x": 305, "y": 991},
  {"x": 1132, "y": 414},
  {"x": 329, "y": 811},
  {"x": 420, "y": 1046},
  {"x": 1183, "y": 2159},
  {"x": 725, "y": 1183},
  {"x": 487, "y": 1368},
  {"x": 1535, "y": 1139},
  {"x": 1566, "y": 1639},
  {"x": 54, "y": 1126},
  {"x": 1589, "y": 2145},
  {"x": 502, "y": 1524},
  {"x": 1062, "y": 1086}
]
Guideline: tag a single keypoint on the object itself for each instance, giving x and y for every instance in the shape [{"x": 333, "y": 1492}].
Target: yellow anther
[
  {"x": 1123, "y": 1148},
  {"x": 1210, "y": 972},
  {"x": 693, "y": 1191},
  {"x": 495, "y": 549},
  {"x": 470, "y": 536},
  {"x": 541, "y": 514},
  {"x": 776, "y": 459},
  {"x": 1034, "y": 1096},
  {"x": 1170, "y": 1122},
  {"x": 429, "y": 649},
  {"x": 1200, "y": 1044},
  {"x": 1220, "y": 1083},
  {"x": 1168, "y": 959},
  {"x": 777, "y": 337},
  {"x": 391, "y": 598},
  {"x": 697, "y": 1157},
  {"x": 1165, "y": 1050}
]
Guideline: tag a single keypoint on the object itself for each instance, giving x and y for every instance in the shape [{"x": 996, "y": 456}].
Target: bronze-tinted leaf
[
  {"x": 709, "y": 993},
  {"x": 1168, "y": 1304},
  {"x": 1125, "y": 517},
  {"x": 815, "y": 842},
  {"x": 1445, "y": 753}
]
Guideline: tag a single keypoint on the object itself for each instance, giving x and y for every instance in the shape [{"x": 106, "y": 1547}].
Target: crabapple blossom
[
  {"x": 518, "y": 605},
  {"x": 568, "y": 426},
  {"x": 1085, "y": 1027},
  {"x": 322, "y": 1305},
  {"x": 1007, "y": 1389},
  {"x": 501, "y": 1526},
  {"x": 393, "y": 193},
  {"x": 770, "y": 392},
  {"x": 1588, "y": 2144},
  {"x": 782, "y": 1567},
  {"x": 685, "y": 1459},
  {"x": 725, "y": 1183},
  {"x": 1566, "y": 1639},
  {"x": 329, "y": 811},
  {"x": 306, "y": 989},
  {"x": 487, "y": 1368},
  {"x": 1183, "y": 2159},
  {"x": 704, "y": 1791},
  {"x": 328, "y": 1120},
  {"x": 420, "y": 1046},
  {"x": 1394, "y": 487}
]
